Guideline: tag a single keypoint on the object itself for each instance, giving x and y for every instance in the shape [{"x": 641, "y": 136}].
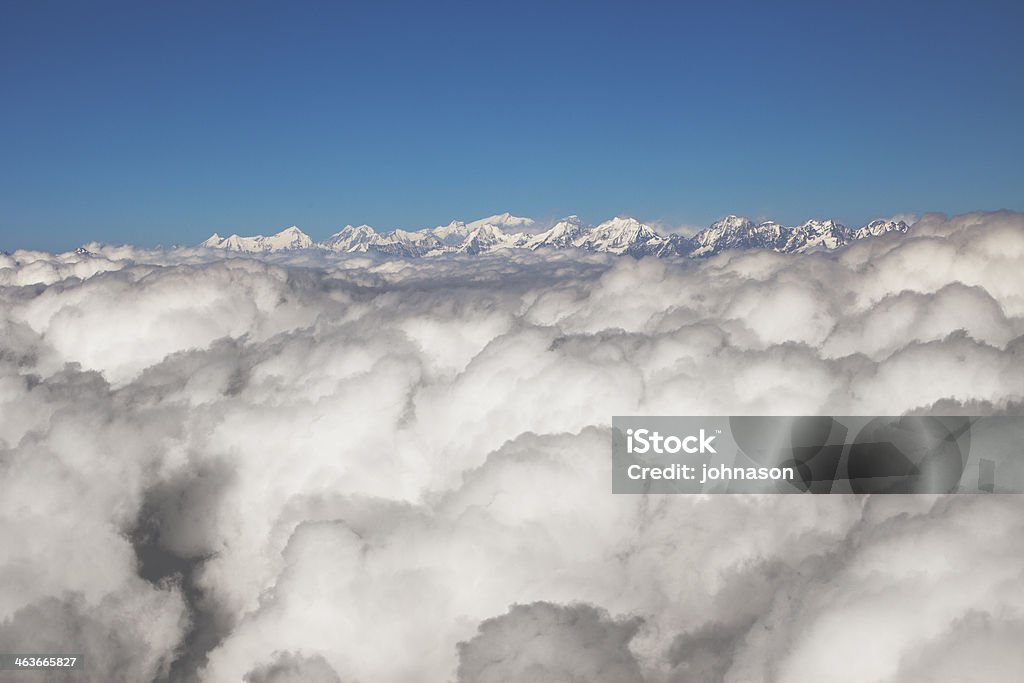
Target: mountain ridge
[{"x": 622, "y": 235}]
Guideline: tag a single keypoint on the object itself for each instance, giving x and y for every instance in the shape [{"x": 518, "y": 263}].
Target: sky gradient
[{"x": 161, "y": 123}]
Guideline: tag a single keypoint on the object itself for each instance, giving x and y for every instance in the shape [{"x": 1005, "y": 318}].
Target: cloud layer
[{"x": 310, "y": 467}]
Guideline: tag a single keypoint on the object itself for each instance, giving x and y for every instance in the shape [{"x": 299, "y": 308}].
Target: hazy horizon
[{"x": 16, "y": 241}]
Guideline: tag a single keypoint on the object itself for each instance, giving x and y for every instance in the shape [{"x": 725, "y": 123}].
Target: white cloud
[{"x": 347, "y": 465}]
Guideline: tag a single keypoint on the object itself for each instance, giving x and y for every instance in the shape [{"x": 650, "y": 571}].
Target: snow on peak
[
  {"x": 289, "y": 238},
  {"x": 349, "y": 238},
  {"x": 732, "y": 222},
  {"x": 620, "y": 235},
  {"x": 735, "y": 232},
  {"x": 452, "y": 234},
  {"x": 506, "y": 221},
  {"x": 881, "y": 227},
  {"x": 816, "y": 234},
  {"x": 559, "y": 236}
]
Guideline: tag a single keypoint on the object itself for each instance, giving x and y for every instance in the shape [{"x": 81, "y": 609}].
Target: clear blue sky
[{"x": 161, "y": 122}]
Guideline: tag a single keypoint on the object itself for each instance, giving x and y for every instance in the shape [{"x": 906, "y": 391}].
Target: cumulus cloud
[{"x": 316, "y": 467}]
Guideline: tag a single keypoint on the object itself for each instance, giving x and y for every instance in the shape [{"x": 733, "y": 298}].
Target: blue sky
[{"x": 152, "y": 123}]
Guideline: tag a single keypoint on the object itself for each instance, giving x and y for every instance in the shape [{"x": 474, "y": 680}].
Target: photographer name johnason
[
  {"x": 818, "y": 454},
  {"x": 647, "y": 441}
]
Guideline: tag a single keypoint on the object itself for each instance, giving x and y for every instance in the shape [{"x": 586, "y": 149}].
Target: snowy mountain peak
[
  {"x": 349, "y": 238},
  {"x": 559, "y": 236},
  {"x": 735, "y": 232},
  {"x": 212, "y": 241},
  {"x": 815, "y": 234},
  {"x": 620, "y": 223},
  {"x": 505, "y": 221},
  {"x": 880, "y": 227},
  {"x": 620, "y": 235},
  {"x": 452, "y": 234},
  {"x": 289, "y": 238},
  {"x": 622, "y": 228},
  {"x": 732, "y": 222}
]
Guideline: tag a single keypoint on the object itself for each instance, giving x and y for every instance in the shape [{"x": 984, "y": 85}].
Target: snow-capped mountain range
[
  {"x": 289, "y": 238},
  {"x": 621, "y": 235}
]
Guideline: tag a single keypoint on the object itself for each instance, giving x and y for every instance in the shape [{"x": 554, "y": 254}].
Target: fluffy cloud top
[{"x": 312, "y": 467}]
